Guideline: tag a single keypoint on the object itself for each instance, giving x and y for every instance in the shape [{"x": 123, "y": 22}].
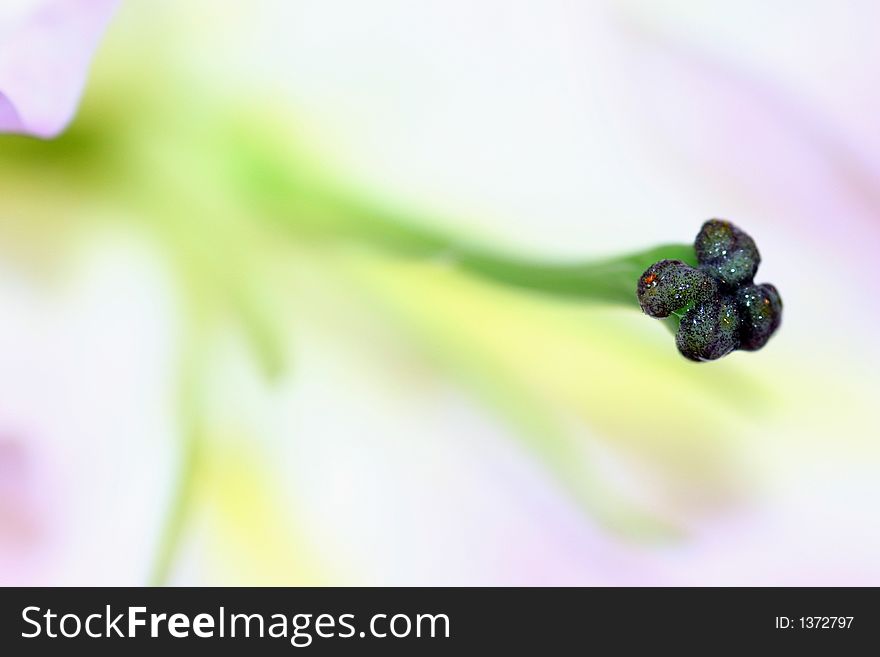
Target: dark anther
[
  {"x": 670, "y": 285},
  {"x": 721, "y": 309},
  {"x": 727, "y": 253},
  {"x": 760, "y": 310}
]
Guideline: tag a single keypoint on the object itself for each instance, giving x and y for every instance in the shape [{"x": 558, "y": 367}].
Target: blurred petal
[
  {"x": 45, "y": 51},
  {"x": 86, "y": 428},
  {"x": 737, "y": 130}
]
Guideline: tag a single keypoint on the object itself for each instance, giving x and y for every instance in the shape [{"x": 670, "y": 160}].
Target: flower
[{"x": 45, "y": 50}]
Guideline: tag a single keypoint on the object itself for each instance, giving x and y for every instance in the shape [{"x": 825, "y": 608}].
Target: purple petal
[{"x": 45, "y": 50}]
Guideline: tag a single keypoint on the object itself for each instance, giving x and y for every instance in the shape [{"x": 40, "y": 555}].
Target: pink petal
[{"x": 45, "y": 50}]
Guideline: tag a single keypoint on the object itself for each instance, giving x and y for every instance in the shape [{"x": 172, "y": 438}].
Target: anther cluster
[{"x": 719, "y": 306}]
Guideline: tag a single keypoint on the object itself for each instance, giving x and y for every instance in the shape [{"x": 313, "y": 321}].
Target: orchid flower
[{"x": 45, "y": 50}]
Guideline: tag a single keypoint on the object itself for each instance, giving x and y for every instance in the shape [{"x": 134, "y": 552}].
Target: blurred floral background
[{"x": 234, "y": 348}]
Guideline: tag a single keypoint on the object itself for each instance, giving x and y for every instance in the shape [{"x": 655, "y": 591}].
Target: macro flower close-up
[{"x": 326, "y": 292}]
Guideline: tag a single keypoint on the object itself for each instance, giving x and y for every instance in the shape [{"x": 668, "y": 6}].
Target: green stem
[
  {"x": 182, "y": 499},
  {"x": 607, "y": 280},
  {"x": 611, "y": 280},
  {"x": 298, "y": 201},
  {"x": 178, "y": 512}
]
